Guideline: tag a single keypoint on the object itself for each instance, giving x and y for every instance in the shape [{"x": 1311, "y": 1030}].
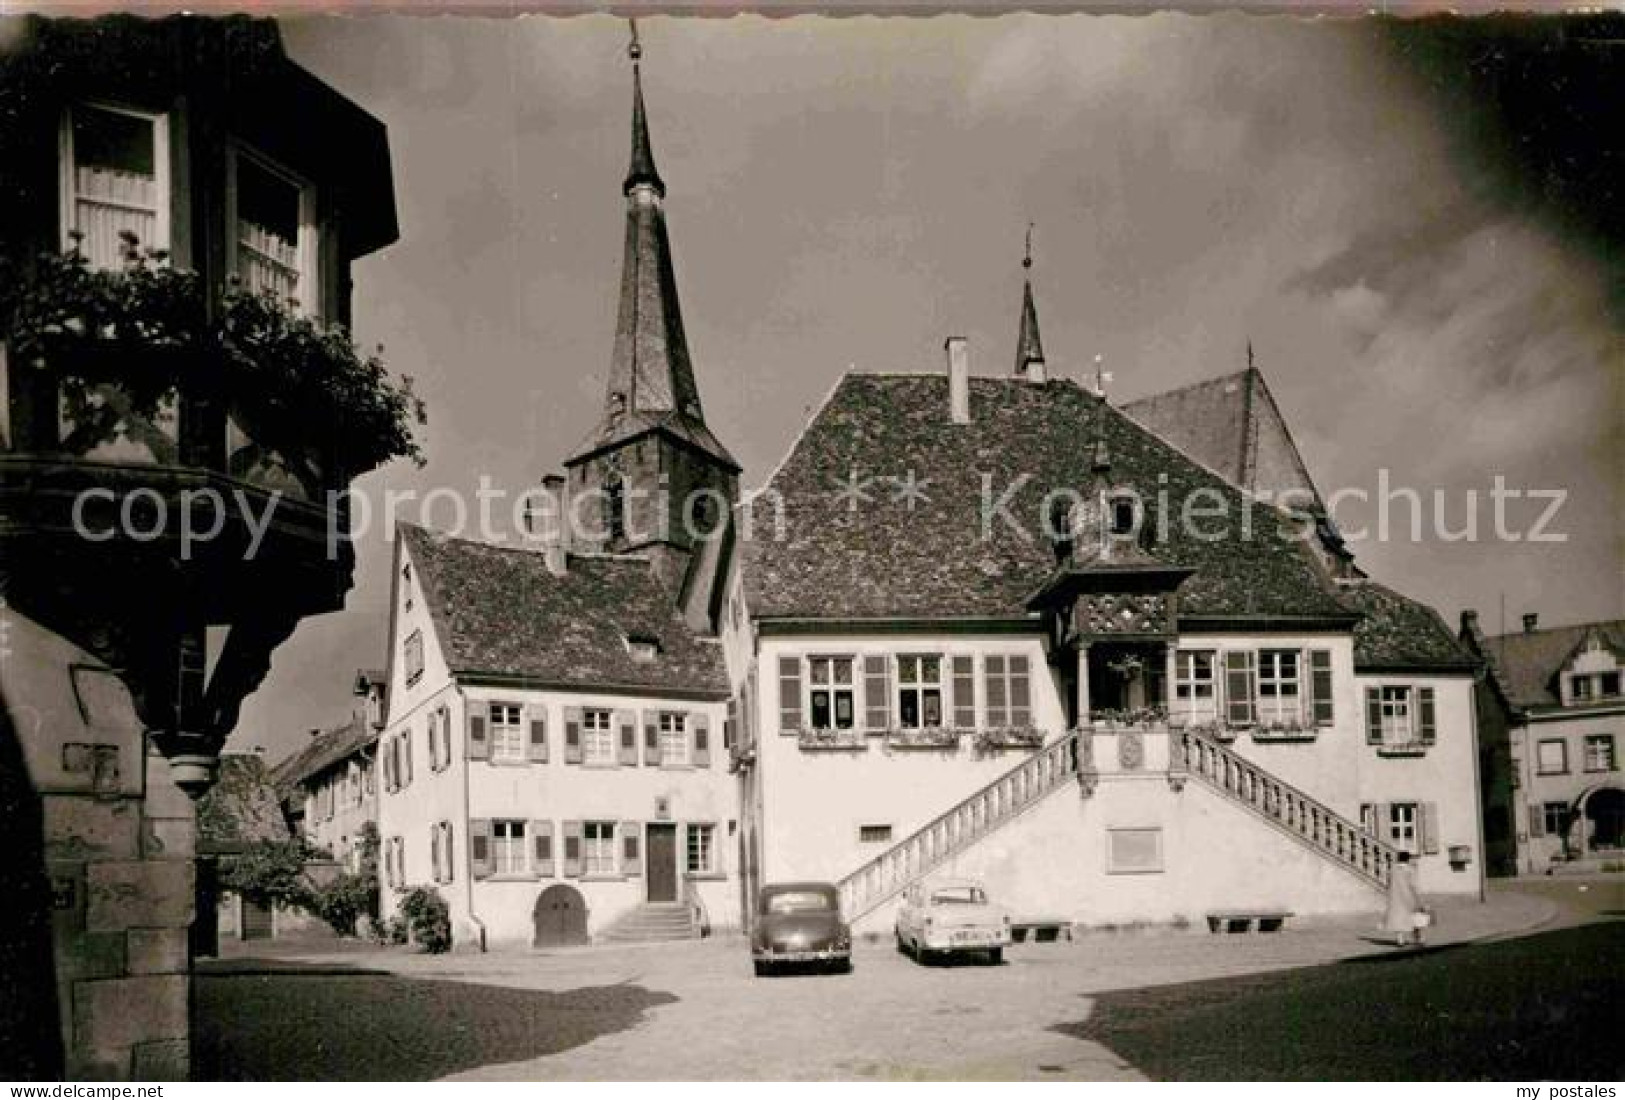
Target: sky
[{"x": 1355, "y": 201}]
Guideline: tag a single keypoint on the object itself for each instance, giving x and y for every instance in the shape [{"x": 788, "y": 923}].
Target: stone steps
[{"x": 653, "y": 922}]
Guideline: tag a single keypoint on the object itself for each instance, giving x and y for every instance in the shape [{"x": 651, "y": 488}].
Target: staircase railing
[
  {"x": 961, "y": 826},
  {"x": 1283, "y": 806}
]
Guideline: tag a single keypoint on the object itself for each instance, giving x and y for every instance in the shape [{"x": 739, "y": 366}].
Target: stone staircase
[
  {"x": 654, "y": 922},
  {"x": 1049, "y": 768},
  {"x": 1288, "y": 809}
]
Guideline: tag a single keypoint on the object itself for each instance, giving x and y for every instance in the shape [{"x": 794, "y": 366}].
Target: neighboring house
[
  {"x": 552, "y": 759},
  {"x": 1552, "y": 717},
  {"x": 129, "y": 649},
  {"x": 329, "y": 788},
  {"x": 239, "y": 812},
  {"x": 968, "y": 634}
]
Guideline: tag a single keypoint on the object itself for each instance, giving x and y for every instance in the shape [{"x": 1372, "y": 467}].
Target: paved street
[{"x": 1108, "y": 1006}]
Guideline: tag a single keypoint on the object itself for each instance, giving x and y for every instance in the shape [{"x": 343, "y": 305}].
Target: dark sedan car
[{"x": 800, "y": 922}]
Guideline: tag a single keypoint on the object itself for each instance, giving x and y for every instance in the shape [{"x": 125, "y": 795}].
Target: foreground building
[
  {"x": 130, "y": 643},
  {"x": 977, "y": 635},
  {"x": 1552, "y": 716}
]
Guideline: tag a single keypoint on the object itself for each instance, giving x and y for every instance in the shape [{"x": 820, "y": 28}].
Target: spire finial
[
  {"x": 1249, "y": 353},
  {"x": 1102, "y": 377},
  {"x": 1027, "y": 257},
  {"x": 642, "y": 170}
]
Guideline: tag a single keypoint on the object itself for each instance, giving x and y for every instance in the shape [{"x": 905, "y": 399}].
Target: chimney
[
  {"x": 557, "y": 546},
  {"x": 1469, "y": 621},
  {"x": 958, "y": 379},
  {"x": 1531, "y": 621},
  {"x": 315, "y": 731}
]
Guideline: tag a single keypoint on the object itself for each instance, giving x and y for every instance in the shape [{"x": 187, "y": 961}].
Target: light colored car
[{"x": 951, "y": 917}]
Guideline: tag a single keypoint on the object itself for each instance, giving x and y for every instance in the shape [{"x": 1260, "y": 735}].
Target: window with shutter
[
  {"x": 1427, "y": 727},
  {"x": 479, "y": 746},
  {"x": 1373, "y": 716},
  {"x": 631, "y": 848},
  {"x": 831, "y": 702},
  {"x": 1021, "y": 713},
  {"x": 479, "y": 847},
  {"x": 610, "y": 737},
  {"x": 572, "y": 849},
  {"x": 572, "y": 734},
  {"x": 598, "y": 848},
  {"x": 406, "y": 757},
  {"x": 876, "y": 692},
  {"x": 1239, "y": 708},
  {"x": 702, "y": 740},
  {"x": 789, "y": 695},
  {"x": 1279, "y": 685},
  {"x": 507, "y": 732},
  {"x": 115, "y": 179},
  {"x": 919, "y": 691},
  {"x": 508, "y": 848},
  {"x": 1195, "y": 698},
  {"x": 730, "y": 725},
  {"x": 674, "y": 734},
  {"x": 964, "y": 670},
  {"x": 537, "y": 746},
  {"x": 1320, "y": 686},
  {"x": 542, "y": 838}
]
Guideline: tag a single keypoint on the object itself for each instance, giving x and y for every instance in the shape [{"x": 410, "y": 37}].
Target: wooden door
[
  {"x": 662, "y": 856},
  {"x": 560, "y": 917}
]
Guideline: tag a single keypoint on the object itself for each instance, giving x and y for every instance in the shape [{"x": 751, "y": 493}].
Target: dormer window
[
  {"x": 273, "y": 230},
  {"x": 614, "y": 507},
  {"x": 1121, "y": 515},
  {"x": 115, "y": 179},
  {"x": 644, "y": 648}
]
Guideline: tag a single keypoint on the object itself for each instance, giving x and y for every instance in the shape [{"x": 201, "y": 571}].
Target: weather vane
[
  {"x": 1027, "y": 258},
  {"x": 635, "y": 49},
  {"x": 1101, "y": 377}
]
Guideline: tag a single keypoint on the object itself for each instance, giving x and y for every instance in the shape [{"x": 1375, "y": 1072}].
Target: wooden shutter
[
  {"x": 1238, "y": 687},
  {"x": 445, "y": 736},
  {"x": 541, "y": 843},
  {"x": 479, "y": 847},
  {"x": 450, "y": 856},
  {"x": 386, "y": 761},
  {"x": 995, "y": 690},
  {"x": 1021, "y": 703},
  {"x": 572, "y": 735},
  {"x": 1373, "y": 716},
  {"x": 631, "y": 838},
  {"x": 479, "y": 745},
  {"x": 964, "y": 691},
  {"x": 651, "y": 739},
  {"x": 1427, "y": 823},
  {"x": 536, "y": 747},
  {"x": 701, "y": 724},
  {"x": 1426, "y": 730},
  {"x": 572, "y": 849},
  {"x": 876, "y": 692},
  {"x": 730, "y": 725},
  {"x": 1537, "y": 819},
  {"x": 1320, "y": 686},
  {"x": 406, "y": 757},
  {"x": 434, "y": 851},
  {"x": 789, "y": 694},
  {"x": 626, "y": 737}
]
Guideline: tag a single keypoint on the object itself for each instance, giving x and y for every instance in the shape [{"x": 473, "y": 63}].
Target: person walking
[{"x": 1404, "y": 906}]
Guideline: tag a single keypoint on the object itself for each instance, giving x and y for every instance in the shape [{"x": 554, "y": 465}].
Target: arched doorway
[
  {"x": 560, "y": 917},
  {"x": 1600, "y": 813}
]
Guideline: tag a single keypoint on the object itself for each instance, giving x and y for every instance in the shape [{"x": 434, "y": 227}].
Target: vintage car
[
  {"x": 951, "y": 917},
  {"x": 800, "y": 923}
]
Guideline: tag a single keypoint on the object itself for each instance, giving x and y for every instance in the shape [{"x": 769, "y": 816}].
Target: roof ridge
[
  {"x": 1198, "y": 384},
  {"x": 1616, "y": 623},
  {"x": 812, "y": 418}
]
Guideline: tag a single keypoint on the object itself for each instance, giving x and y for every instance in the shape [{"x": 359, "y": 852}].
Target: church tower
[{"x": 651, "y": 478}]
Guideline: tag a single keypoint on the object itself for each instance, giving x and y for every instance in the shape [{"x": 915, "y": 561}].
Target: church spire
[
  {"x": 651, "y": 380},
  {"x": 1029, "y": 349}
]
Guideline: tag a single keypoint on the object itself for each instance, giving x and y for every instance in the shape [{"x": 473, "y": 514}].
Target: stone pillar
[
  {"x": 1167, "y": 701},
  {"x": 1083, "y": 684},
  {"x": 119, "y": 838}
]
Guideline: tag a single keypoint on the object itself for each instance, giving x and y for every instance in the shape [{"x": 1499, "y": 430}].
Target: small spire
[
  {"x": 642, "y": 170},
  {"x": 1029, "y": 348},
  {"x": 1249, "y": 353}
]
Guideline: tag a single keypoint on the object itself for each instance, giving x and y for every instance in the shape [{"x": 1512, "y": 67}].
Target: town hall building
[{"x": 984, "y": 636}]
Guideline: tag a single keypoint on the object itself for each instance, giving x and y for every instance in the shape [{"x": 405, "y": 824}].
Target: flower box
[
  {"x": 930, "y": 737},
  {"x": 1285, "y": 733},
  {"x": 1413, "y": 748},
  {"x": 1011, "y": 737},
  {"x": 809, "y": 740}
]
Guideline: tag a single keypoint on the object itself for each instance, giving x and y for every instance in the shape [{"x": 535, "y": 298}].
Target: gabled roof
[
  {"x": 1397, "y": 632},
  {"x": 500, "y": 614},
  {"x": 1528, "y": 662},
  {"x": 323, "y": 751},
  {"x": 241, "y": 808},
  {"x": 886, "y": 559},
  {"x": 1232, "y": 426}
]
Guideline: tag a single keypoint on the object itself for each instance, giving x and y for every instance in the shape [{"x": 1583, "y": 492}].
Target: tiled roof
[
  {"x": 1232, "y": 426},
  {"x": 884, "y": 559},
  {"x": 499, "y": 612},
  {"x": 324, "y": 750},
  {"x": 1528, "y": 662},
  {"x": 241, "y": 808},
  {"x": 1398, "y": 632}
]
